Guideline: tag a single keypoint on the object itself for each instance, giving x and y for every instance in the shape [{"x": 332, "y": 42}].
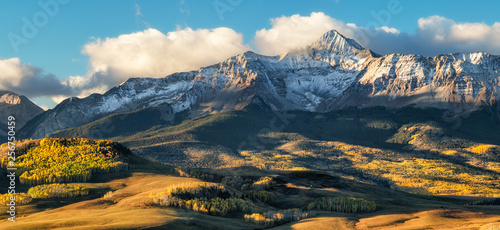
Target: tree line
[
  {"x": 206, "y": 198},
  {"x": 57, "y": 191},
  {"x": 20, "y": 198},
  {"x": 485, "y": 202},
  {"x": 343, "y": 204},
  {"x": 44, "y": 192},
  {"x": 271, "y": 218}
]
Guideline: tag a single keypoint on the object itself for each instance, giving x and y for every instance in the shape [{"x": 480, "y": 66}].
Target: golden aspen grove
[
  {"x": 68, "y": 160},
  {"x": 206, "y": 198},
  {"x": 57, "y": 191},
  {"x": 21, "y": 198}
]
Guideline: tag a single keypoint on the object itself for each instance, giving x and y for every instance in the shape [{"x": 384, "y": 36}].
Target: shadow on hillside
[{"x": 389, "y": 202}]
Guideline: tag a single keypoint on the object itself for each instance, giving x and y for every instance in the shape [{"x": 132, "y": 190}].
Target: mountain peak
[
  {"x": 19, "y": 106},
  {"x": 335, "y": 42},
  {"x": 11, "y": 98}
]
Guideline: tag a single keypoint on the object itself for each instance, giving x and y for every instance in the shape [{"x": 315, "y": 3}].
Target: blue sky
[{"x": 56, "y": 50}]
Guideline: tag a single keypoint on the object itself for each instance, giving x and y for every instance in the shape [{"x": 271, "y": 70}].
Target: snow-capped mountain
[{"x": 333, "y": 72}]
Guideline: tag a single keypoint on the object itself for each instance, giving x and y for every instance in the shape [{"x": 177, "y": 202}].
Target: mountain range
[{"x": 332, "y": 73}]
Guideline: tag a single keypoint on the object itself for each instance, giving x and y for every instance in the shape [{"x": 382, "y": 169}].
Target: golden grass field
[{"x": 130, "y": 208}]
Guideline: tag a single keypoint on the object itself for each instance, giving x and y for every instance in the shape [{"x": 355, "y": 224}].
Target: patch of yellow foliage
[
  {"x": 433, "y": 177},
  {"x": 449, "y": 152},
  {"x": 481, "y": 148}
]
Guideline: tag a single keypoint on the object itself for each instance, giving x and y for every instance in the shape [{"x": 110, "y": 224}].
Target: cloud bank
[
  {"x": 446, "y": 36},
  {"x": 294, "y": 32},
  {"x": 29, "y": 80},
  {"x": 150, "y": 53},
  {"x": 434, "y": 35}
]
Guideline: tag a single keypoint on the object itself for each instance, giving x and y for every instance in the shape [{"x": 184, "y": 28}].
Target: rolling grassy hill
[{"x": 122, "y": 200}]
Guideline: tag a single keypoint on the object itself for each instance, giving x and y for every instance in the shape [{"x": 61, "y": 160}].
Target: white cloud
[
  {"x": 434, "y": 27},
  {"x": 296, "y": 31},
  {"x": 435, "y": 35},
  {"x": 446, "y": 36},
  {"x": 150, "y": 53},
  {"x": 293, "y": 32},
  {"x": 389, "y": 30}
]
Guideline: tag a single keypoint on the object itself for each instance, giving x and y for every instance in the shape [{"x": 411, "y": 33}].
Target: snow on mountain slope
[{"x": 331, "y": 73}]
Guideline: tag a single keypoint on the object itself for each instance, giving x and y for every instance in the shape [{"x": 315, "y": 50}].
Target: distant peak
[
  {"x": 335, "y": 42},
  {"x": 251, "y": 54},
  {"x": 8, "y": 97}
]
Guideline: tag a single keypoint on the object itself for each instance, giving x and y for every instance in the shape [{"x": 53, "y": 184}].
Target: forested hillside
[
  {"x": 425, "y": 151},
  {"x": 66, "y": 160}
]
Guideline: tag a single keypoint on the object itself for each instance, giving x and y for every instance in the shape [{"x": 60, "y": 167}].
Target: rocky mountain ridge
[{"x": 333, "y": 72}]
